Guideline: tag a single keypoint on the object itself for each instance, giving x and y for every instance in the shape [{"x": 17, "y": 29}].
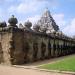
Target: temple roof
[{"x": 47, "y": 23}]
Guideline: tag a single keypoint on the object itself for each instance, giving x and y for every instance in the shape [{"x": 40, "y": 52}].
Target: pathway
[
  {"x": 7, "y": 70},
  {"x": 30, "y": 69}
]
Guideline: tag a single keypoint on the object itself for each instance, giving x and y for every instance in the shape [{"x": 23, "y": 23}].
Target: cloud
[
  {"x": 25, "y": 6},
  {"x": 60, "y": 20},
  {"x": 30, "y": 8},
  {"x": 1, "y": 15},
  {"x": 70, "y": 29},
  {"x": 0, "y": 11},
  {"x": 11, "y": 9},
  {"x": 33, "y": 19},
  {"x": 67, "y": 27},
  {"x": 6, "y": 1}
]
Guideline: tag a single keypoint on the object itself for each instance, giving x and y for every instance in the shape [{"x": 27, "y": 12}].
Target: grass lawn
[{"x": 67, "y": 64}]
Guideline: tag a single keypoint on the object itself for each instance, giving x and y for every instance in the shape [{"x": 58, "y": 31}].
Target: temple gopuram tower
[{"x": 46, "y": 23}]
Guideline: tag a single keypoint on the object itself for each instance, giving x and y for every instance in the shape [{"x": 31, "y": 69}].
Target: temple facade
[{"x": 20, "y": 45}]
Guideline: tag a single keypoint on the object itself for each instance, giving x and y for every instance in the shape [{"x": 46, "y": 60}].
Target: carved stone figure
[
  {"x": 36, "y": 27},
  {"x": 21, "y": 26},
  {"x": 12, "y": 21},
  {"x": 3, "y": 24},
  {"x": 28, "y": 24}
]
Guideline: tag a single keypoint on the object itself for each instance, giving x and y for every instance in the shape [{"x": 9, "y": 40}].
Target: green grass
[{"x": 68, "y": 64}]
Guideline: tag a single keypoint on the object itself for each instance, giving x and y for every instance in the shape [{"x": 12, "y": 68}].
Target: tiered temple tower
[{"x": 47, "y": 23}]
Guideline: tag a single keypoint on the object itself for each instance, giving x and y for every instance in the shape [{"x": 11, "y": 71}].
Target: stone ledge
[
  {"x": 35, "y": 68},
  {"x": 57, "y": 71}
]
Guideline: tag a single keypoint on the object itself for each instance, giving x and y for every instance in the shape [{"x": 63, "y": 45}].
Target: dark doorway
[
  {"x": 35, "y": 51},
  {"x": 49, "y": 49},
  {"x": 26, "y": 51},
  {"x": 43, "y": 49}
]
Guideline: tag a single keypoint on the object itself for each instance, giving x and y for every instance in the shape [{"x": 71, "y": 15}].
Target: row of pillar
[{"x": 51, "y": 50}]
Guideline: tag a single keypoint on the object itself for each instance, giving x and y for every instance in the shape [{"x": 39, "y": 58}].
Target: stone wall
[
  {"x": 5, "y": 38},
  {"x": 30, "y": 46},
  {"x": 24, "y": 45},
  {"x": 19, "y": 46}
]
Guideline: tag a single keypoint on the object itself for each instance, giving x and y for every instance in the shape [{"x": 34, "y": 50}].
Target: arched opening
[
  {"x": 61, "y": 51},
  {"x": 54, "y": 49},
  {"x": 26, "y": 51},
  {"x": 35, "y": 51},
  {"x": 49, "y": 49},
  {"x": 64, "y": 48},
  {"x": 43, "y": 49},
  {"x": 58, "y": 49}
]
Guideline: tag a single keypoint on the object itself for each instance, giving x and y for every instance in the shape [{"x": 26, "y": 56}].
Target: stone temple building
[{"x": 20, "y": 45}]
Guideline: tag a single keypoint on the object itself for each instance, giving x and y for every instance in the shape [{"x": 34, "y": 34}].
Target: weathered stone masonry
[{"x": 23, "y": 45}]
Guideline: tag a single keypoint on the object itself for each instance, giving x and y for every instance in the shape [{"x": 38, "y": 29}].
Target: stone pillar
[
  {"x": 39, "y": 49},
  {"x": 46, "y": 52},
  {"x": 15, "y": 42},
  {"x": 56, "y": 43},
  {"x": 30, "y": 54},
  {"x": 49, "y": 49},
  {"x": 52, "y": 51},
  {"x": 6, "y": 37},
  {"x": 1, "y": 53}
]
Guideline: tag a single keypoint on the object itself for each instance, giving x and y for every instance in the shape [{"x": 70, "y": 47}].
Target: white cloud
[
  {"x": 33, "y": 19},
  {"x": 59, "y": 18},
  {"x": 6, "y": 1},
  {"x": 25, "y": 8},
  {"x": 62, "y": 23},
  {"x": 11, "y": 9},
  {"x": 9, "y": 0},
  {"x": 70, "y": 29},
  {"x": 1, "y": 15},
  {"x": 0, "y": 11}
]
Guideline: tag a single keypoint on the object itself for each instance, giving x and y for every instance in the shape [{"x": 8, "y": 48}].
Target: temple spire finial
[{"x": 46, "y": 9}]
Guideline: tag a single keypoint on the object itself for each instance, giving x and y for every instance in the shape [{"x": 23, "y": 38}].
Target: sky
[{"x": 63, "y": 12}]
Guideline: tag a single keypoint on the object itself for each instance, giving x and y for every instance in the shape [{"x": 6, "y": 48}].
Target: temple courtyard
[{"x": 45, "y": 67}]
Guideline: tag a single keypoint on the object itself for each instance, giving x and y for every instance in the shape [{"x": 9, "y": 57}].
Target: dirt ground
[
  {"x": 7, "y": 70},
  {"x": 28, "y": 69}
]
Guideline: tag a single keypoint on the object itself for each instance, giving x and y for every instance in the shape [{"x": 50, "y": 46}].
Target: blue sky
[{"x": 63, "y": 12}]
